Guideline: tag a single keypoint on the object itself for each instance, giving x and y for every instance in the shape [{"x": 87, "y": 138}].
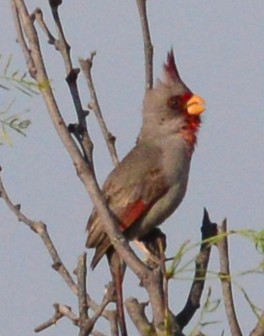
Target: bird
[{"x": 149, "y": 184}]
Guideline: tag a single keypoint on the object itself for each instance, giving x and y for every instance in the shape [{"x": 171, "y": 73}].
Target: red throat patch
[{"x": 190, "y": 129}]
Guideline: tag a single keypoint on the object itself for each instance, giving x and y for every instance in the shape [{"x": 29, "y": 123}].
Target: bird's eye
[{"x": 174, "y": 102}]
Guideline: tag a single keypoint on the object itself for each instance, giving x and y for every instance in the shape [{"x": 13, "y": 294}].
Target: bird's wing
[{"x": 130, "y": 190}]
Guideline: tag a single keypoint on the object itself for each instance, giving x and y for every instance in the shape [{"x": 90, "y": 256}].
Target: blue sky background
[{"x": 219, "y": 49}]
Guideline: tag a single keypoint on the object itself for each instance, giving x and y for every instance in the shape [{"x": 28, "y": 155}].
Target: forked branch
[
  {"x": 25, "y": 27},
  {"x": 40, "y": 228}
]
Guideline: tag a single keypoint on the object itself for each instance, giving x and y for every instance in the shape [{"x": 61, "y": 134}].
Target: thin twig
[
  {"x": 97, "y": 333},
  {"x": 38, "y": 16},
  {"x": 80, "y": 131},
  {"x": 64, "y": 48},
  {"x": 225, "y": 278},
  {"x": 114, "y": 324},
  {"x": 87, "y": 324},
  {"x": 193, "y": 301},
  {"x": 136, "y": 311},
  {"x": 81, "y": 281},
  {"x": 108, "y": 297},
  {"x": 22, "y": 42},
  {"x": 25, "y": 27},
  {"x": 148, "y": 47},
  {"x": 86, "y": 66},
  {"x": 40, "y": 228},
  {"x": 61, "y": 43},
  {"x": 259, "y": 329},
  {"x": 60, "y": 311},
  {"x": 149, "y": 278},
  {"x": 84, "y": 171}
]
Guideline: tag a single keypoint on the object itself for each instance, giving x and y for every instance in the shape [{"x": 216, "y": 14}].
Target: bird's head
[{"x": 171, "y": 106}]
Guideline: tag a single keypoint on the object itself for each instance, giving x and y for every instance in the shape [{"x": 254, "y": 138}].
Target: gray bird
[{"x": 150, "y": 182}]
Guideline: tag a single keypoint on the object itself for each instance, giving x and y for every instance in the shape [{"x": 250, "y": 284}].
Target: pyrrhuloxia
[{"x": 150, "y": 182}]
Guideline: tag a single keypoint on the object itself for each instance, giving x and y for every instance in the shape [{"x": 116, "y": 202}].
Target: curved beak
[{"x": 195, "y": 105}]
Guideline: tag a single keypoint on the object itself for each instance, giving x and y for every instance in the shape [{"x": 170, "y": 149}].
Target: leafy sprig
[{"x": 9, "y": 80}]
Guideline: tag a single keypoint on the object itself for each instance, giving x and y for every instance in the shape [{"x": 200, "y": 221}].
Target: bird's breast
[{"x": 175, "y": 166}]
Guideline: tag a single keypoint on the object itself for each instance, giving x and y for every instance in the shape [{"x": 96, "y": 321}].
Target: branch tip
[{"x": 54, "y": 4}]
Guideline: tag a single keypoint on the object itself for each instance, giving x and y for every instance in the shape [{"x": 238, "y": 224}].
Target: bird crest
[{"x": 170, "y": 67}]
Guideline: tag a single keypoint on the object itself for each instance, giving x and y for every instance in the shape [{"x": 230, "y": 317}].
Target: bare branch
[
  {"x": 64, "y": 48},
  {"x": 40, "y": 228},
  {"x": 84, "y": 171},
  {"x": 22, "y": 42},
  {"x": 259, "y": 329},
  {"x": 38, "y": 16},
  {"x": 111, "y": 316},
  {"x": 114, "y": 324},
  {"x": 60, "y": 311},
  {"x": 83, "y": 307},
  {"x": 26, "y": 27},
  {"x": 98, "y": 333},
  {"x": 61, "y": 43},
  {"x": 209, "y": 230},
  {"x": 80, "y": 131},
  {"x": 86, "y": 66},
  {"x": 151, "y": 279},
  {"x": 148, "y": 47},
  {"x": 136, "y": 311},
  {"x": 225, "y": 278}
]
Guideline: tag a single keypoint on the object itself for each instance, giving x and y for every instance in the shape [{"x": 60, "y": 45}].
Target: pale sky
[{"x": 219, "y": 49}]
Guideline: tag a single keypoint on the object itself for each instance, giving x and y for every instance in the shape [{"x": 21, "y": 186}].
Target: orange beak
[{"x": 195, "y": 105}]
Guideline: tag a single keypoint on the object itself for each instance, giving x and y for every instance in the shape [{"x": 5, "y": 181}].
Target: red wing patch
[{"x": 133, "y": 212}]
